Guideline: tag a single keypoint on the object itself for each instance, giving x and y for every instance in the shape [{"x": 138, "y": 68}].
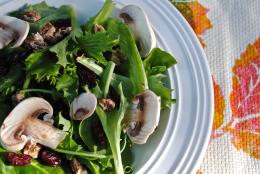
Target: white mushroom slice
[
  {"x": 22, "y": 125},
  {"x": 83, "y": 106},
  {"x": 12, "y": 29},
  {"x": 140, "y": 26},
  {"x": 143, "y": 117}
]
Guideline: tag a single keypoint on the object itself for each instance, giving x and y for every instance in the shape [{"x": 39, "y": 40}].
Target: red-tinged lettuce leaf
[{"x": 245, "y": 103}]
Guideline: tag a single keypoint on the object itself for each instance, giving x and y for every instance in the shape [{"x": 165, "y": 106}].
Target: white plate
[{"x": 183, "y": 133}]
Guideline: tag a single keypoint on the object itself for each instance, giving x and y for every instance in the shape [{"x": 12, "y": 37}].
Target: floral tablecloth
[{"x": 229, "y": 31}]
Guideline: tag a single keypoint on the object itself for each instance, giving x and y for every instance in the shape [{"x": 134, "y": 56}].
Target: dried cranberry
[
  {"x": 18, "y": 159},
  {"x": 3, "y": 67},
  {"x": 50, "y": 158},
  {"x": 98, "y": 132}
]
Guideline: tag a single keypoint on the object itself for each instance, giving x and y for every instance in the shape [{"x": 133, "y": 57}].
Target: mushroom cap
[
  {"x": 140, "y": 26},
  {"x": 143, "y": 117},
  {"x": 83, "y": 106},
  {"x": 12, "y": 28},
  {"x": 22, "y": 125}
]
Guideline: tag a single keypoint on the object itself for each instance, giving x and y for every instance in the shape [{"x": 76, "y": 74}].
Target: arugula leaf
[
  {"x": 102, "y": 15},
  {"x": 111, "y": 122},
  {"x": 107, "y": 77},
  {"x": 8, "y": 83},
  {"x": 158, "y": 61},
  {"x": 127, "y": 44},
  {"x": 156, "y": 84},
  {"x": 95, "y": 44},
  {"x": 42, "y": 67},
  {"x": 68, "y": 83}
]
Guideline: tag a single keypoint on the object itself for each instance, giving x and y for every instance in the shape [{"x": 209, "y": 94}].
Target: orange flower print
[
  {"x": 196, "y": 15},
  {"x": 219, "y": 106},
  {"x": 245, "y": 101}
]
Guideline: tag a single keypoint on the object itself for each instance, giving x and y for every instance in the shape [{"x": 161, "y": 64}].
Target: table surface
[{"x": 229, "y": 31}]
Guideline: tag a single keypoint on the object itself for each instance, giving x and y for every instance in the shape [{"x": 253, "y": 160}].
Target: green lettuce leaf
[{"x": 41, "y": 66}]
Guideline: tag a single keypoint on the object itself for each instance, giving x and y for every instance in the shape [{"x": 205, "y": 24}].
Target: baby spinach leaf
[
  {"x": 157, "y": 85},
  {"x": 158, "y": 61}
]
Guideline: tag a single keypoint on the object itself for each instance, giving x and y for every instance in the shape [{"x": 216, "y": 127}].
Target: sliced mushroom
[
  {"x": 143, "y": 116},
  {"x": 83, "y": 106},
  {"x": 12, "y": 29},
  {"x": 140, "y": 26},
  {"x": 22, "y": 125}
]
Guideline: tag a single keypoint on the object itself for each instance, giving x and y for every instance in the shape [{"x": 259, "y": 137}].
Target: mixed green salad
[{"x": 75, "y": 98}]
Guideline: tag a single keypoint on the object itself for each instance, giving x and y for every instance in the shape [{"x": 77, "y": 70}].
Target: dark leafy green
[{"x": 8, "y": 83}]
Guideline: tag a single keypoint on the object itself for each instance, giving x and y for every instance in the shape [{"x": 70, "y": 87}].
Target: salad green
[{"x": 55, "y": 74}]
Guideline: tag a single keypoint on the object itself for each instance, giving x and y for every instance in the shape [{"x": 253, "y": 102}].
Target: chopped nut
[
  {"x": 77, "y": 167},
  {"x": 17, "y": 98},
  {"x": 32, "y": 148},
  {"x": 35, "y": 41},
  {"x": 98, "y": 28},
  {"x": 47, "y": 33},
  {"x": 107, "y": 104},
  {"x": 31, "y": 16}
]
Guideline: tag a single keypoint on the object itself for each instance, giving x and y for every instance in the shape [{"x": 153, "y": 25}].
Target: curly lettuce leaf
[
  {"x": 42, "y": 67},
  {"x": 8, "y": 83},
  {"x": 95, "y": 44},
  {"x": 68, "y": 83}
]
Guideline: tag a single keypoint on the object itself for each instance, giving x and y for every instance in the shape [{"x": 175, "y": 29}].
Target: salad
[{"x": 75, "y": 98}]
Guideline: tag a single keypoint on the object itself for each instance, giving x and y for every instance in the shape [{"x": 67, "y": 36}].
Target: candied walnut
[
  {"x": 77, "y": 167},
  {"x": 50, "y": 158},
  {"x": 18, "y": 159},
  {"x": 107, "y": 104},
  {"x": 32, "y": 148},
  {"x": 17, "y": 98},
  {"x": 31, "y": 16},
  {"x": 98, "y": 28},
  {"x": 47, "y": 33},
  {"x": 35, "y": 42}
]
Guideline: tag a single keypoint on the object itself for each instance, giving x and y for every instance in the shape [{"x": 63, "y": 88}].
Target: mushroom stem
[{"x": 44, "y": 133}]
